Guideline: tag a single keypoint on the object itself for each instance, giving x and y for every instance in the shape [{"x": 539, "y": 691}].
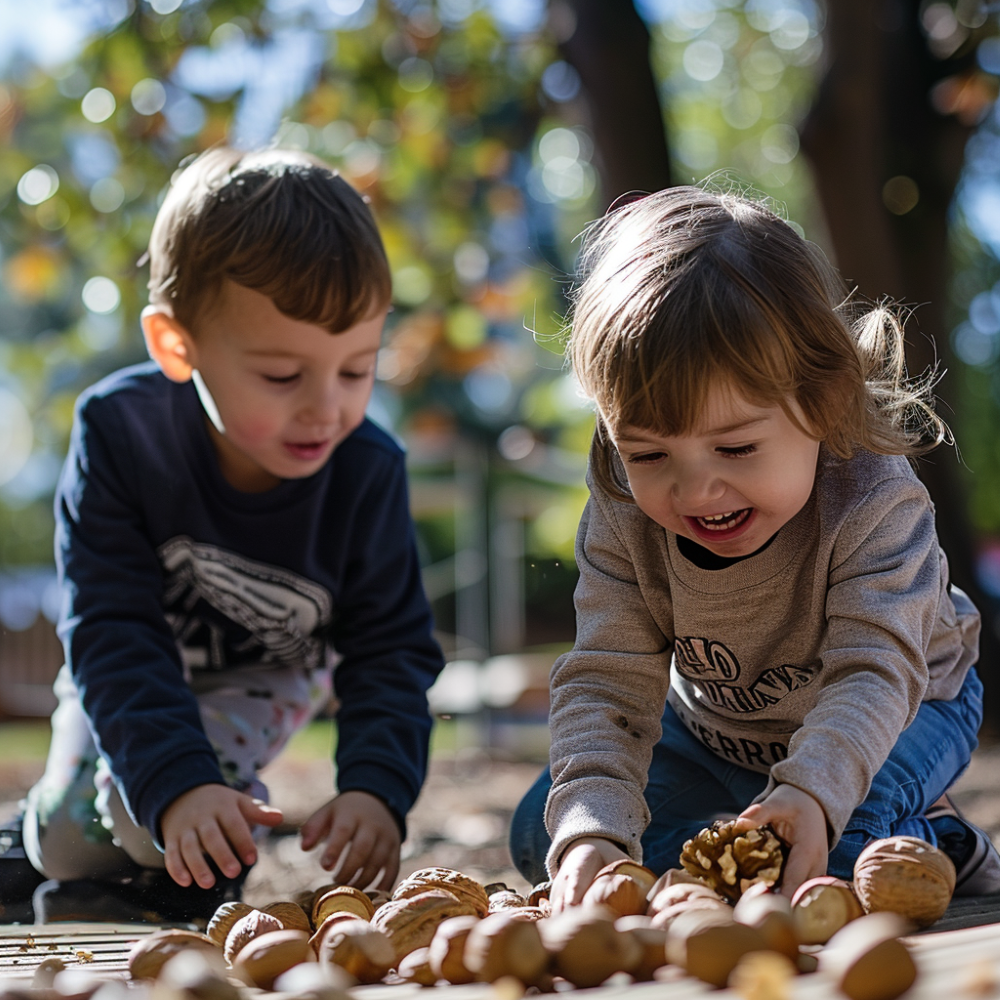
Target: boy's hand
[
  {"x": 365, "y": 823},
  {"x": 799, "y": 820},
  {"x": 580, "y": 864},
  {"x": 215, "y": 820}
]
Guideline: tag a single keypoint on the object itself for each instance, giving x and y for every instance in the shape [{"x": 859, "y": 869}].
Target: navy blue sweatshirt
[{"x": 159, "y": 556}]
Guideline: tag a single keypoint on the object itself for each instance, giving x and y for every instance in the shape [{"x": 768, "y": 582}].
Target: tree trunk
[
  {"x": 873, "y": 121},
  {"x": 607, "y": 43}
]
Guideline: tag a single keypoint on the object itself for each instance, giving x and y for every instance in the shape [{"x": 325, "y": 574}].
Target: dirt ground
[{"x": 461, "y": 819}]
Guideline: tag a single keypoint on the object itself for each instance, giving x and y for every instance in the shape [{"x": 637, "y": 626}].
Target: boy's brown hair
[
  {"x": 688, "y": 287},
  {"x": 280, "y": 222}
]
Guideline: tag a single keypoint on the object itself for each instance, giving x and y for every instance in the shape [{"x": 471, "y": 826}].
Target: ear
[{"x": 169, "y": 344}]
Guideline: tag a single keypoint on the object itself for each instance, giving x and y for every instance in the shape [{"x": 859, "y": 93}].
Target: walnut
[
  {"x": 500, "y": 945},
  {"x": 730, "y": 862},
  {"x": 150, "y": 954},
  {"x": 586, "y": 947},
  {"x": 538, "y": 893},
  {"x": 291, "y": 915},
  {"x": 466, "y": 889},
  {"x": 410, "y": 922},
  {"x": 672, "y": 900},
  {"x": 341, "y": 898},
  {"x": 619, "y": 892},
  {"x": 358, "y": 948},
  {"x": 822, "y": 906},
  {"x": 269, "y": 955},
  {"x": 249, "y": 926},
  {"x": 652, "y": 943},
  {"x": 771, "y": 915},
  {"x": 866, "y": 959},
  {"x": 223, "y": 919},
  {"x": 506, "y": 899},
  {"x": 763, "y": 975},
  {"x": 643, "y": 876},
  {"x": 447, "y": 950},
  {"x": 708, "y": 944},
  {"x": 415, "y": 968},
  {"x": 905, "y": 875}
]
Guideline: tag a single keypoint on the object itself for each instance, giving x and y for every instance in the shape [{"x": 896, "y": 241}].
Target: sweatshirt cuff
[{"x": 594, "y": 807}]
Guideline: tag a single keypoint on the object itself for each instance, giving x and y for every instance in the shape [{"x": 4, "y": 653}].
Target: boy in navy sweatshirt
[{"x": 234, "y": 544}]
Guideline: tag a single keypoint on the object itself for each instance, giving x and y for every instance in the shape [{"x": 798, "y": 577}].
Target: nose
[
  {"x": 323, "y": 403},
  {"x": 693, "y": 486}
]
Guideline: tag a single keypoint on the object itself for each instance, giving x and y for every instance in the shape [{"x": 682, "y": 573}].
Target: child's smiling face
[
  {"x": 287, "y": 392},
  {"x": 742, "y": 474}
]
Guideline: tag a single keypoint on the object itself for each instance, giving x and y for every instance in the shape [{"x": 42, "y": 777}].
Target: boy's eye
[
  {"x": 745, "y": 449},
  {"x": 280, "y": 379},
  {"x": 647, "y": 458},
  {"x": 354, "y": 376}
]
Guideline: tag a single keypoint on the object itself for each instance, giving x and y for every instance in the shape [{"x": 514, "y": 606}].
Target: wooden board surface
[
  {"x": 101, "y": 949},
  {"x": 961, "y": 964}
]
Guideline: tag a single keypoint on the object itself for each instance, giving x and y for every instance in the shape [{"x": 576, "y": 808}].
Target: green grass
[
  {"x": 29, "y": 740},
  {"x": 24, "y": 740}
]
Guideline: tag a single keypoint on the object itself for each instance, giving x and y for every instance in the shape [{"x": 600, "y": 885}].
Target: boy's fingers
[
  {"x": 361, "y": 845},
  {"x": 314, "y": 829},
  {"x": 377, "y": 859},
  {"x": 237, "y": 835},
  {"x": 220, "y": 849},
  {"x": 257, "y": 811},
  {"x": 176, "y": 868},
  {"x": 194, "y": 859},
  {"x": 336, "y": 841}
]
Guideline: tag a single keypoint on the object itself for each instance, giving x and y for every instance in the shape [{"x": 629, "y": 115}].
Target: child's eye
[
  {"x": 647, "y": 458},
  {"x": 745, "y": 449},
  {"x": 280, "y": 379},
  {"x": 355, "y": 376}
]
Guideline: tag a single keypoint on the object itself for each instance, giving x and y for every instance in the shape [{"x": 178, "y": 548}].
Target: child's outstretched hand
[
  {"x": 799, "y": 820},
  {"x": 578, "y": 868},
  {"x": 215, "y": 820},
  {"x": 365, "y": 823}
]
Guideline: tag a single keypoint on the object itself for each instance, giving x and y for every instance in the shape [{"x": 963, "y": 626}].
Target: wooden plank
[
  {"x": 101, "y": 949},
  {"x": 961, "y": 963}
]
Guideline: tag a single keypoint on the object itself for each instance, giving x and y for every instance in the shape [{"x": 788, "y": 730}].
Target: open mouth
[
  {"x": 307, "y": 450},
  {"x": 724, "y": 522}
]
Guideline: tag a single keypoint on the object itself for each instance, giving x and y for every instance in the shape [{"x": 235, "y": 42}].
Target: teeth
[{"x": 723, "y": 522}]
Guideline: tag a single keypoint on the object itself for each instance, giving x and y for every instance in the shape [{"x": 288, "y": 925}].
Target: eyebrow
[
  {"x": 260, "y": 353},
  {"x": 711, "y": 432}
]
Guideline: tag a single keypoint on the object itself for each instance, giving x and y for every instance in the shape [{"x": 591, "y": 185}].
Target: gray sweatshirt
[{"x": 804, "y": 661}]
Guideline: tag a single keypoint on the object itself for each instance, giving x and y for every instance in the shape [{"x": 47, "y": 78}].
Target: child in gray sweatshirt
[{"x": 765, "y": 625}]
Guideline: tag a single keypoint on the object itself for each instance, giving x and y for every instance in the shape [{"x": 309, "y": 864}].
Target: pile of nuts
[{"x": 441, "y": 927}]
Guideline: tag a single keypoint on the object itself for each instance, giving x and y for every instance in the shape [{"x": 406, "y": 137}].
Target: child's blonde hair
[{"x": 685, "y": 287}]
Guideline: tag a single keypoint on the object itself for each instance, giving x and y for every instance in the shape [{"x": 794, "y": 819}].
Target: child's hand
[
  {"x": 215, "y": 820},
  {"x": 799, "y": 820},
  {"x": 365, "y": 823},
  {"x": 578, "y": 868}
]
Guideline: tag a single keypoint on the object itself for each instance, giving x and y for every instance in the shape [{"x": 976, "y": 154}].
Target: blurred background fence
[{"x": 487, "y": 133}]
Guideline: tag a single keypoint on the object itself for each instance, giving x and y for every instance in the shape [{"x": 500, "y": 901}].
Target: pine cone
[{"x": 730, "y": 863}]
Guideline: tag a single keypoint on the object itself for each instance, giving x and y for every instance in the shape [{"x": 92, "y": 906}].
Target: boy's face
[
  {"x": 287, "y": 392},
  {"x": 743, "y": 473}
]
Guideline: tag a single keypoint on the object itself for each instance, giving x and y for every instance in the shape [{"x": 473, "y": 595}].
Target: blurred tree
[{"x": 436, "y": 111}]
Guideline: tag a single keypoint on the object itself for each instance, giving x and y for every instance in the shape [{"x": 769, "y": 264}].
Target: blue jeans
[{"x": 689, "y": 786}]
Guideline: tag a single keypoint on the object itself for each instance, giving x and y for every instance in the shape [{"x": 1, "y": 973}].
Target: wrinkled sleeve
[
  {"x": 881, "y": 607},
  {"x": 607, "y": 697},
  {"x": 118, "y": 644},
  {"x": 390, "y": 657}
]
